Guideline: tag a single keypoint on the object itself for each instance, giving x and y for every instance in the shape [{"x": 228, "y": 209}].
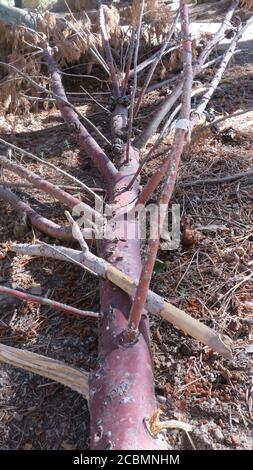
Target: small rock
[
  {"x": 36, "y": 289},
  {"x": 161, "y": 399},
  {"x": 249, "y": 349},
  {"x": 218, "y": 435},
  {"x": 18, "y": 417}
]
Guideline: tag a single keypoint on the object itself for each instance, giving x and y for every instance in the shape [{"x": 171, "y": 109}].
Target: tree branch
[
  {"x": 50, "y": 165},
  {"x": 154, "y": 303},
  {"x": 197, "y": 114},
  {"x": 41, "y": 223},
  {"x": 26, "y": 297},
  {"x": 47, "y": 187},
  {"x": 167, "y": 104},
  {"x": 154, "y": 65},
  {"x": 132, "y": 331},
  {"x": 46, "y": 367},
  {"x": 99, "y": 158},
  {"x": 221, "y": 180},
  {"x": 108, "y": 53},
  {"x": 133, "y": 93}
]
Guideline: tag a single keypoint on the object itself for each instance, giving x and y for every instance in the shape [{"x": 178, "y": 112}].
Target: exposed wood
[
  {"x": 58, "y": 371},
  {"x": 154, "y": 303}
]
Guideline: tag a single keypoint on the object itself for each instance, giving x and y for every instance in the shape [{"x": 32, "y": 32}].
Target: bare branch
[
  {"x": 50, "y": 165},
  {"x": 59, "y": 98},
  {"x": 76, "y": 379},
  {"x": 41, "y": 223},
  {"x": 133, "y": 93},
  {"x": 154, "y": 65},
  {"x": 182, "y": 126},
  {"x": 167, "y": 104},
  {"x": 140, "y": 67},
  {"x": 26, "y": 297},
  {"x": 46, "y": 186},
  {"x": 197, "y": 114},
  {"x": 100, "y": 159},
  {"x": 164, "y": 132},
  {"x": 129, "y": 59},
  {"x": 154, "y": 303},
  {"x": 221, "y": 180},
  {"x": 108, "y": 52},
  {"x": 221, "y": 119},
  {"x": 77, "y": 234}
]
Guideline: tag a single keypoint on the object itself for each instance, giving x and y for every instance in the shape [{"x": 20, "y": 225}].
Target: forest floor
[{"x": 207, "y": 276}]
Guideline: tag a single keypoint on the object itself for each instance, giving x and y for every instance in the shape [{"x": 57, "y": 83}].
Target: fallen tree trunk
[{"x": 121, "y": 388}]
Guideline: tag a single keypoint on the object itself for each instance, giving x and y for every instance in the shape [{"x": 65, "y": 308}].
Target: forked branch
[
  {"x": 182, "y": 127},
  {"x": 154, "y": 303}
]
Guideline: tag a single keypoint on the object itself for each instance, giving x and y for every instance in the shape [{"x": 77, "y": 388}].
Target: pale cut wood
[
  {"x": 154, "y": 304},
  {"x": 58, "y": 371}
]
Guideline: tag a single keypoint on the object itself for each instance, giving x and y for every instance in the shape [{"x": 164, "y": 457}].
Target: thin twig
[
  {"x": 50, "y": 165},
  {"x": 154, "y": 65},
  {"x": 26, "y": 297},
  {"x": 93, "y": 48},
  {"x": 224, "y": 179},
  {"x": 46, "y": 186},
  {"x": 131, "y": 110},
  {"x": 108, "y": 52},
  {"x": 221, "y": 119},
  {"x": 59, "y": 98}
]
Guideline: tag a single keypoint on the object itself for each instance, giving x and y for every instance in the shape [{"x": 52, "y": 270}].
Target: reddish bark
[
  {"x": 93, "y": 149},
  {"x": 39, "y": 222},
  {"x": 26, "y": 297},
  {"x": 171, "y": 175},
  {"x": 122, "y": 386},
  {"x": 46, "y": 186},
  {"x": 167, "y": 103}
]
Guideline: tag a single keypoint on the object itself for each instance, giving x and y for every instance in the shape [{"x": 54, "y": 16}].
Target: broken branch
[{"x": 46, "y": 367}]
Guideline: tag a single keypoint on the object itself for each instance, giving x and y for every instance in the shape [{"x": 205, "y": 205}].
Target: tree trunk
[{"x": 122, "y": 386}]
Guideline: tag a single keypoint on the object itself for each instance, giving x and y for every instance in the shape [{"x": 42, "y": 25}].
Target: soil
[{"x": 207, "y": 276}]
